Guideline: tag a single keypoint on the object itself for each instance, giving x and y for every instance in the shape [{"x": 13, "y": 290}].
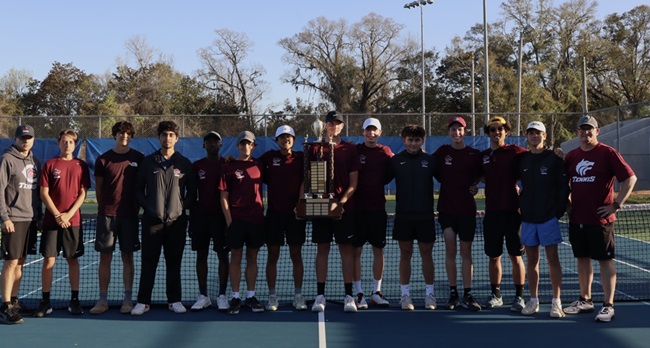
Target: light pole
[
  {"x": 414, "y": 4},
  {"x": 523, "y": 32},
  {"x": 487, "y": 64}
]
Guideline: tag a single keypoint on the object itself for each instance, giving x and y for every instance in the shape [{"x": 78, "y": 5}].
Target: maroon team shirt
[
  {"x": 118, "y": 191},
  {"x": 370, "y": 195},
  {"x": 208, "y": 172},
  {"x": 64, "y": 179},
  {"x": 591, "y": 176},
  {"x": 458, "y": 170},
  {"x": 346, "y": 161},
  {"x": 283, "y": 176},
  {"x": 243, "y": 181},
  {"x": 500, "y": 172}
]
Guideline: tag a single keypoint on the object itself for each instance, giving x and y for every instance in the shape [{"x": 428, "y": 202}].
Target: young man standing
[
  {"x": 207, "y": 222},
  {"x": 542, "y": 199},
  {"x": 459, "y": 169},
  {"x": 592, "y": 169},
  {"x": 346, "y": 177},
  {"x": 413, "y": 170},
  {"x": 241, "y": 202},
  {"x": 117, "y": 213},
  {"x": 20, "y": 211},
  {"x": 371, "y": 215},
  {"x": 165, "y": 187},
  {"x": 502, "y": 219},
  {"x": 64, "y": 181},
  {"x": 283, "y": 175}
]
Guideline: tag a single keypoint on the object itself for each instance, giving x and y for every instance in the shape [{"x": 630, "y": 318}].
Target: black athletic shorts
[
  {"x": 371, "y": 228},
  {"x": 500, "y": 225},
  {"x": 342, "y": 230},
  {"x": 241, "y": 233},
  {"x": 70, "y": 240},
  {"x": 424, "y": 230},
  {"x": 21, "y": 242},
  {"x": 463, "y": 226},
  {"x": 205, "y": 226},
  {"x": 277, "y": 227},
  {"x": 594, "y": 241},
  {"x": 113, "y": 228}
]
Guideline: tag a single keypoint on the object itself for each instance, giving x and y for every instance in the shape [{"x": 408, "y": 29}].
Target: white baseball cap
[
  {"x": 537, "y": 125},
  {"x": 285, "y": 130},
  {"x": 371, "y": 122}
]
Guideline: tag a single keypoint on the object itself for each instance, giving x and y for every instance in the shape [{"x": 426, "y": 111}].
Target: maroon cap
[{"x": 456, "y": 119}]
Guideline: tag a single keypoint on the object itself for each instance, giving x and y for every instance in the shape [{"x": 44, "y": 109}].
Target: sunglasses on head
[{"x": 495, "y": 129}]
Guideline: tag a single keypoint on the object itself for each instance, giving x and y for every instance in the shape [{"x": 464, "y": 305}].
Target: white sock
[
  {"x": 357, "y": 286},
  {"x": 404, "y": 288},
  {"x": 558, "y": 301},
  {"x": 250, "y": 293},
  {"x": 377, "y": 285},
  {"x": 534, "y": 300},
  {"x": 235, "y": 294},
  {"x": 429, "y": 289}
]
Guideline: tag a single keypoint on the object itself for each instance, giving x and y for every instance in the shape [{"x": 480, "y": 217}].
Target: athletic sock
[
  {"x": 496, "y": 290},
  {"x": 250, "y": 293},
  {"x": 519, "y": 290},
  {"x": 320, "y": 288},
  {"x": 404, "y": 289},
  {"x": 297, "y": 291},
  {"x": 272, "y": 292},
  {"x": 235, "y": 294},
  {"x": 74, "y": 295},
  {"x": 467, "y": 291},
  {"x": 357, "y": 286},
  {"x": 453, "y": 290},
  {"x": 429, "y": 289},
  {"x": 377, "y": 283},
  {"x": 46, "y": 296},
  {"x": 222, "y": 288},
  {"x": 203, "y": 290},
  {"x": 348, "y": 288}
]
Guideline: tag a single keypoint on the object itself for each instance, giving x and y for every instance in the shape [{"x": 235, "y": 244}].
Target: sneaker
[
  {"x": 10, "y": 315},
  {"x": 453, "y": 301},
  {"x": 606, "y": 314},
  {"x": 470, "y": 303},
  {"x": 100, "y": 307},
  {"x": 176, "y": 307},
  {"x": 75, "y": 307},
  {"x": 222, "y": 303},
  {"x": 378, "y": 299},
  {"x": 494, "y": 301},
  {"x": 235, "y": 303},
  {"x": 349, "y": 304},
  {"x": 201, "y": 303},
  {"x": 319, "y": 304},
  {"x": 140, "y": 309},
  {"x": 299, "y": 302},
  {"x": 518, "y": 304},
  {"x": 406, "y": 303},
  {"x": 430, "y": 302},
  {"x": 272, "y": 304},
  {"x": 556, "y": 310},
  {"x": 44, "y": 308},
  {"x": 254, "y": 304},
  {"x": 579, "y": 306},
  {"x": 127, "y": 306},
  {"x": 530, "y": 308},
  {"x": 360, "y": 301},
  {"x": 21, "y": 308}
]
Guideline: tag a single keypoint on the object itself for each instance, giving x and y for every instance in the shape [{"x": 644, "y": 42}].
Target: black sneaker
[
  {"x": 75, "y": 307},
  {"x": 21, "y": 308},
  {"x": 470, "y": 303},
  {"x": 44, "y": 308},
  {"x": 453, "y": 301},
  {"x": 10, "y": 315},
  {"x": 254, "y": 304},
  {"x": 235, "y": 303}
]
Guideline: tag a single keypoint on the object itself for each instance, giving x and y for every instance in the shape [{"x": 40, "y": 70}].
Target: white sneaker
[
  {"x": 556, "y": 310},
  {"x": 319, "y": 304},
  {"x": 406, "y": 303},
  {"x": 140, "y": 309},
  {"x": 606, "y": 314},
  {"x": 177, "y": 307},
  {"x": 299, "y": 302},
  {"x": 530, "y": 308},
  {"x": 349, "y": 305},
  {"x": 360, "y": 301},
  {"x": 222, "y": 303},
  {"x": 273, "y": 303},
  {"x": 430, "y": 302},
  {"x": 579, "y": 306},
  {"x": 378, "y": 299},
  {"x": 201, "y": 303}
]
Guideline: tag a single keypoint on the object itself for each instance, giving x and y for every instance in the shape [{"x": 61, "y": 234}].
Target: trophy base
[{"x": 317, "y": 208}]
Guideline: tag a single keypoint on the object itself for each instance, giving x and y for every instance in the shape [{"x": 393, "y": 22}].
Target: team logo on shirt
[
  {"x": 201, "y": 174},
  {"x": 424, "y": 164},
  {"x": 543, "y": 170},
  {"x": 239, "y": 174},
  {"x": 448, "y": 159},
  {"x": 56, "y": 173},
  {"x": 277, "y": 161},
  {"x": 30, "y": 174},
  {"x": 486, "y": 159},
  {"x": 133, "y": 164},
  {"x": 177, "y": 173},
  {"x": 581, "y": 168},
  {"x": 362, "y": 159}
]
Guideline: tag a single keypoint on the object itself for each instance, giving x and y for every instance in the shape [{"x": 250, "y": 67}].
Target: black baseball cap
[
  {"x": 24, "y": 131},
  {"x": 334, "y": 116}
]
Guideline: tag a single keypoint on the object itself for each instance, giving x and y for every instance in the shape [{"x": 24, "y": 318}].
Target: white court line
[{"x": 322, "y": 340}]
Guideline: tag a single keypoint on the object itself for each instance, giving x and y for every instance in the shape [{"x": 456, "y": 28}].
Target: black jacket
[
  {"x": 545, "y": 187},
  {"x": 413, "y": 175},
  {"x": 165, "y": 193}
]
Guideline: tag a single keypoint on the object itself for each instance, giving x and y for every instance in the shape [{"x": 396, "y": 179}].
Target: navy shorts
[
  {"x": 278, "y": 227},
  {"x": 463, "y": 226},
  {"x": 205, "y": 226},
  {"x": 241, "y": 233},
  {"x": 342, "y": 230},
  {"x": 371, "y": 228},
  {"x": 500, "y": 225},
  {"x": 409, "y": 230}
]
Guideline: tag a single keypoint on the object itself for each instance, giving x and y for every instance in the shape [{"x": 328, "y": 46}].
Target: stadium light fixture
[{"x": 526, "y": 29}]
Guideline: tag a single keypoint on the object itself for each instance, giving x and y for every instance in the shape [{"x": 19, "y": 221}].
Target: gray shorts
[{"x": 113, "y": 228}]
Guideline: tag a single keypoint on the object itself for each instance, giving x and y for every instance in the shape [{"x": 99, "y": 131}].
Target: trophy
[{"x": 318, "y": 171}]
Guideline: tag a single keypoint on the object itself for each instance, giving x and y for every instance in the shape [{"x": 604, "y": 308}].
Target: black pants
[{"x": 171, "y": 238}]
